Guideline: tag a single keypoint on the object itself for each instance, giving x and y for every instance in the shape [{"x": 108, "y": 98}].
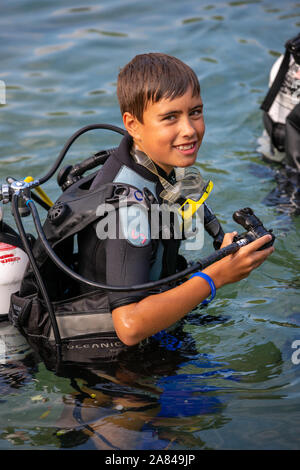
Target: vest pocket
[
  {"x": 19, "y": 310},
  {"x": 29, "y": 315}
]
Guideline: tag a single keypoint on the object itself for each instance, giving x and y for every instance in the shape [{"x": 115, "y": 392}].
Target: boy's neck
[{"x": 141, "y": 157}]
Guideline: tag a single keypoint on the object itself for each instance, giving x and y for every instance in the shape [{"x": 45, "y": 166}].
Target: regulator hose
[
  {"x": 39, "y": 279},
  {"x": 71, "y": 140}
]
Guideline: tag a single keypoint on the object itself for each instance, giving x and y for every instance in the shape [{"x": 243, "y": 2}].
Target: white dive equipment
[
  {"x": 281, "y": 106},
  {"x": 13, "y": 262}
]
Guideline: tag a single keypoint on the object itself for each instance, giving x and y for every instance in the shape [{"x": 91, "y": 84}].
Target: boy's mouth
[{"x": 187, "y": 149}]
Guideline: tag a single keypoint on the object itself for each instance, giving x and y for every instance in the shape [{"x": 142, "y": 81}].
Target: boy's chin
[{"x": 186, "y": 162}]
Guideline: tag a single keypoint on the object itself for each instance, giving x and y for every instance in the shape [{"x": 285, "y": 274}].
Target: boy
[{"x": 162, "y": 112}]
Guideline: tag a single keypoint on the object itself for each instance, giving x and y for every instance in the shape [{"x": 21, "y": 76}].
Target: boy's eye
[
  {"x": 170, "y": 117},
  {"x": 197, "y": 112}
]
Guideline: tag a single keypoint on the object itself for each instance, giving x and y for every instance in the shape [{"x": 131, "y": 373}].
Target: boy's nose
[{"x": 188, "y": 128}]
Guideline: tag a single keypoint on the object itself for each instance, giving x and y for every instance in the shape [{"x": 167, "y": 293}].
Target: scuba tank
[{"x": 13, "y": 261}]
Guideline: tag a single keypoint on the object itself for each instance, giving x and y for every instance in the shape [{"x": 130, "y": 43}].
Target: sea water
[{"x": 236, "y": 382}]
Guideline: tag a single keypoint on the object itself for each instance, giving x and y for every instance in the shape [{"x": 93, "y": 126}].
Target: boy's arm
[{"x": 140, "y": 320}]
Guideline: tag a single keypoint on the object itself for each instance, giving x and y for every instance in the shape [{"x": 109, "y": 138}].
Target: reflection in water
[
  {"x": 127, "y": 410},
  {"x": 151, "y": 403},
  {"x": 285, "y": 196},
  {"x": 13, "y": 346},
  {"x": 16, "y": 361},
  {"x": 145, "y": 401},
  {"x": 152, "y": 398}
]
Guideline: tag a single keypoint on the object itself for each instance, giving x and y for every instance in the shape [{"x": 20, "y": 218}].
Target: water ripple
[{"x": 42, "y": 51}]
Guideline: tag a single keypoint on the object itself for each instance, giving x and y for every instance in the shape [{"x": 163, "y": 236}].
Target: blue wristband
[{"x": 211, "y": 284}]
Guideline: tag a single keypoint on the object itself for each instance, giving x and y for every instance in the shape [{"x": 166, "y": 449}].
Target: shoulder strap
[
  {"x": 274, "y": 89},
  {"x": 292, "y": 46}
]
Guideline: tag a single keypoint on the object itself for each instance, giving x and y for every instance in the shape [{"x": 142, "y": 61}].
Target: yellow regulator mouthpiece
[
  {"x": 190, "y": 206},
  {"x": 40, "y": 192}
]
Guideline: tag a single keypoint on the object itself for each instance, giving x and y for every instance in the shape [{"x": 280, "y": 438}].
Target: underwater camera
[{"x": 254, "y": 227}]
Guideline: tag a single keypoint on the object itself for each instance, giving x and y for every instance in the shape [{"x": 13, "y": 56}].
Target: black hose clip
[{"x": 293, "y": 46}]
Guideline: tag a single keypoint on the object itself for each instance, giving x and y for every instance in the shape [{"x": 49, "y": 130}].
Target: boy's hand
[
  {"x": 238, "y": 266},
  {"x": 228, "y": 239}
]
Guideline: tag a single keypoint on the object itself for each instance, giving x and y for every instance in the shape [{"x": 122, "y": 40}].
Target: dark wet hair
[{"x": 151, "y": 77}]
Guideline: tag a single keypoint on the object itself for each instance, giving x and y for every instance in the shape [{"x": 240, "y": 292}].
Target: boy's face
[{"x": 172, "y": 131}]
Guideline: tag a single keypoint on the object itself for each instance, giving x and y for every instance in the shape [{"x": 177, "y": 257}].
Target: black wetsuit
[{"x": 126, "y": 261}]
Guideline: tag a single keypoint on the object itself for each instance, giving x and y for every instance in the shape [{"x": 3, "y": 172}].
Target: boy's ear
[{"x": 132, "y": 125}]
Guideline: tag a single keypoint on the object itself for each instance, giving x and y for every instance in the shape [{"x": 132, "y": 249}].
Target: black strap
[
  {"x": 293, "y": 138},
  {"x": 274, "y": 89},
  {"x": 276, "y": 131}
]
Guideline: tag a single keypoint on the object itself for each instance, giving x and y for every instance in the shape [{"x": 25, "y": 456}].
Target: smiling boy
[
  {"x": 171, "y": 131},
  {"x": 162, "y": 112}
]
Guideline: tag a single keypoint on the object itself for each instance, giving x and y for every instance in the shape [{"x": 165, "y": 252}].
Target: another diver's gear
[
  {"x": 211, "y": 285},
  {"x": 284, "y": 130},
  {"x": 292, "y": 138},
  {"x": 292, "y": 47},
  {"x": 254, "y": 227}
]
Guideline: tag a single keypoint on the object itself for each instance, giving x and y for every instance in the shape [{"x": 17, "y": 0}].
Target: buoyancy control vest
[
  {"x": 281, "y": 107},
  {"x": 84, "y": 321}
]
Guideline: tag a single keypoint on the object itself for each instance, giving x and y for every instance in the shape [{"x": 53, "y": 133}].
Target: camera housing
[{"x": 254, "y": 227}]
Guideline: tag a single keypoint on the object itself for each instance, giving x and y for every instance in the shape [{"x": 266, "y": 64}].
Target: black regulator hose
[
  {"x": 39, "y": 279},
  {"x": 71, "y": 140},
  {"x": 201, "y": 264}
]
